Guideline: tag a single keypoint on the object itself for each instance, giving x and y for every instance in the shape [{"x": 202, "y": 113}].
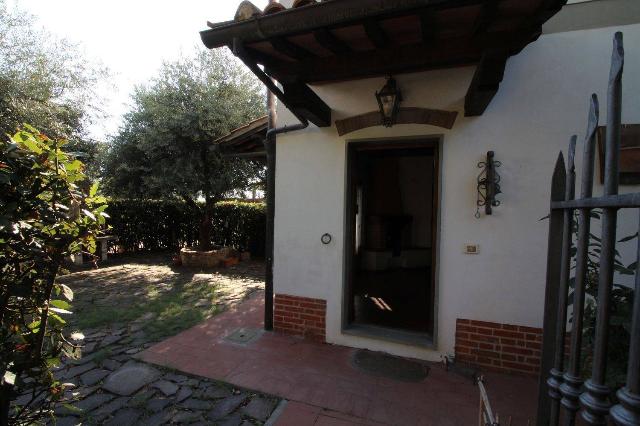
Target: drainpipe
[
  {"x": 304, "y": 123},
  {"x": 270, "y": 148}
]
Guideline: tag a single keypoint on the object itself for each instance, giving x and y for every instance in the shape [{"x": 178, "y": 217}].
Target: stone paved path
[{"x": 112, "y": 387}]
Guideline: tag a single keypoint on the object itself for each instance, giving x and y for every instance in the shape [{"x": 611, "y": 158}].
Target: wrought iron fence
[{"x": 563, "y": 393}]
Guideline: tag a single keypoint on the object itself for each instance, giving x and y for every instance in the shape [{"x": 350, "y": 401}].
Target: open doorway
[{"x": 392, "y": 216}]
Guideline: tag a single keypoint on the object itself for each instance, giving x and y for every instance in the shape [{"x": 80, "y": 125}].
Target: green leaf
[
  {"x": 8, "y": 378},
  {"x": 72, "y": 408},
  {"x": 56, "y": 317},
  {"x": 35, "y": 325},
  {"x": 30, "y": 128},
  {"x": 93, "y": 190},
  {"x": 74, "y": 166},
  {"x": 89, "y": 214},
  {"x": 52, "y": 362},
  {"x": 32, "y": 144},
  {"x": 66, "y": 292},
  {"x": 629, "y": 238},
  {"x": 61, "y": 304},
  {"x": 59, "y": 311}
]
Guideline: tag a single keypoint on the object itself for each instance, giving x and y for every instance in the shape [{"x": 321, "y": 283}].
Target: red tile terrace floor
[{"x": 322, "y": 386}]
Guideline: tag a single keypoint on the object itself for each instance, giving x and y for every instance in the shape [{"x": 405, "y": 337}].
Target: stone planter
[{"x": 191, "y": 257}]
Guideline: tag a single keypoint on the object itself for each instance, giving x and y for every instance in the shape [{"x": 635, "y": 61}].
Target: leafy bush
[
  {"x": 621, "y": 302},
  {"x": 143, "y": 225},
  {"x": 47, "y": 212}
]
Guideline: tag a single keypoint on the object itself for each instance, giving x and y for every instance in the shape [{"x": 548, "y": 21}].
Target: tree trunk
[
  {"x": 205, "y": 222},
  {"x": 205, "y": 226},
  {"x": 5, "y": 403}
]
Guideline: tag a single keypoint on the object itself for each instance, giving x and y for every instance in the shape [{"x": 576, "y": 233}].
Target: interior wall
[
  {"x": 416, "y": 181},
  {"x": 401, "y": 185},
  {"x": 542, "y": 101}
]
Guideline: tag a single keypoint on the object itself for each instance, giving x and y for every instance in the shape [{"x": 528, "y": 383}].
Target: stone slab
[
  {"x": 184, "y": 393},
  {"x": 125, "y": 417},
  {"x": 178, "y": 378},
  {"x": 76, "y": 371},
  {"x": 185, "y": 417},
  {"x": 110, "y": 340},
  {"x": 86, "y": 405},
  {"x": 196, "y": 404},
  {"x": 225, "y": 407},
  {"x": 92, "y": 377},
  {"x": 157, "y": 404},
  {"x": 214, "y": 392},
  {"x": 129, "y": 378},
  {"x": 259, "y": 408},
  {"x": 166, "y": 387},
  {"x": 109, "y": 408},
  {"x": 110, "y": 364}
]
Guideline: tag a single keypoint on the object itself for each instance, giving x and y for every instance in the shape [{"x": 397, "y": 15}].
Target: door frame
[{"x": 378, "y": 332}]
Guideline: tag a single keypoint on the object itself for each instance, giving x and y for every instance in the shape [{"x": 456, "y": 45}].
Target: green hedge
[{"x": 143, "y": 225}]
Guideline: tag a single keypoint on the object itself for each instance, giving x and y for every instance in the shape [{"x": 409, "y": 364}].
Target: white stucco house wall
[{"x": 542, "y": 101}]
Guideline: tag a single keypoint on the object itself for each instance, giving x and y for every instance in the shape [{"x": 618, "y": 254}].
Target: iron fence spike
[
  {"x": 617, "y": 58},
  {"x": 554, "y": 255},
  {"x": 572, "y": 380},
  {"x": 594, "y": 117},
  {"x": 555, "y": 380},
  {"x": 558, "y": 179},
  {"x": 627, "y": 411},
  {"x": 596, "y": 398},
  {"x": 571, "y": 166}
]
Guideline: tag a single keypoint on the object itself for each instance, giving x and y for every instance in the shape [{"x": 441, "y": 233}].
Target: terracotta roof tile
[{"x": 247, "y": 10}]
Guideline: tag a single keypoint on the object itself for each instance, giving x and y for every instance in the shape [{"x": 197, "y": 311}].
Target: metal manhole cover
[
  {"x": 243, "y": 336},
  {"x": 381, "y": 364}
]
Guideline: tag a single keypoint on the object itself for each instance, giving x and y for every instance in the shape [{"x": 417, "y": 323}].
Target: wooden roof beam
[
  {"x": 290, "y": 49},
  {"x": 330, "y": 42},
  {"x": 487, "y": 15},
  {"x": 485, "y": 83},
  {"x": 407, "y": 58},
  {"x": 304, "y": 101},
  {"x": 297, "y": 97},
  {"x": 376, "y": 34},
  {"x": 428, "y": 26}
]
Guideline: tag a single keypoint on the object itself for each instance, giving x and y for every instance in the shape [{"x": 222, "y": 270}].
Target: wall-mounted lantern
[
  {"x": 488, "y": 185},
  {"x": 389, "y": 98}
]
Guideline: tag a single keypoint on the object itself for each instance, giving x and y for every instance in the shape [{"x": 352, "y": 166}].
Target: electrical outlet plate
[{"x": 471, "y": 248}]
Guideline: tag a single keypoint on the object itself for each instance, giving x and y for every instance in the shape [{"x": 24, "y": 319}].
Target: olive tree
[
  {"x": 165, "y": 147},
  {"x": 47, "y": 82}
]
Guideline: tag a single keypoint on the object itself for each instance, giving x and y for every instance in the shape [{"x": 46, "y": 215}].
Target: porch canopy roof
[
  {"x": 333, "y": 40},
  {"x": 245, "y": 141}
]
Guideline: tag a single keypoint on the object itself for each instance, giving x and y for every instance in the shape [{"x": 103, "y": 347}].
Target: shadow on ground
[
  {"x": 171, "y": 298},
  {"x": 122, "y": 308}
]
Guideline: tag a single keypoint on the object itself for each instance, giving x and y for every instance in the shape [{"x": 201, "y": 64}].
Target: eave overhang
[
  {"x": 246, "y": 141},
  {"x": 336, "y": 40}
]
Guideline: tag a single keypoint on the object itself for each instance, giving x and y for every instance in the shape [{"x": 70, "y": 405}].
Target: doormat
[
  {"x": 393, "y": 367},
  {"x": 243, "y": 336}
]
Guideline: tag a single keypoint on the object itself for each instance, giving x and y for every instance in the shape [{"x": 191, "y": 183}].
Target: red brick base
[
  {"x": 300, "y": 316},
  {"x": 499, "y": 347}
]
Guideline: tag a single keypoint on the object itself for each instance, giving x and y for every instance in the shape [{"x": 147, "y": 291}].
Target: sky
[{"x": 131, "y": 37}]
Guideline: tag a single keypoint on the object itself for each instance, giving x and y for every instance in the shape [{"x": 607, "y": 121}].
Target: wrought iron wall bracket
[{"x": 488, "y": 185}]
